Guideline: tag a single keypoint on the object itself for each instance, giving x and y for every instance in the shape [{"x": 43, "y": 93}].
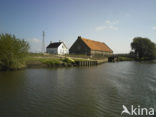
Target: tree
[
  {"x": 12, "y": 51},
  {"x": 143, "y": 48}
]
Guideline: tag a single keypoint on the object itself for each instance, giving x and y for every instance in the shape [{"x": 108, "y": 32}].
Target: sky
[{"x": 115, "y": 22}]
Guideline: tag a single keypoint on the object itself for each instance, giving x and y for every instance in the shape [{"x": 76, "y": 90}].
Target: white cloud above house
[{"x": 108, "y": 25}]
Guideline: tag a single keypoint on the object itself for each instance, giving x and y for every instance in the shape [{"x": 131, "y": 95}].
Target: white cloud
[
  {"x": 111, "y": 22},
  {"x": 111, "y": 25},
  {"x": 154, "y": 27},
  {"x": 99, "y": 28},
  {"x": 35, "y": 45},
  {"x": 108, "y": 22}
]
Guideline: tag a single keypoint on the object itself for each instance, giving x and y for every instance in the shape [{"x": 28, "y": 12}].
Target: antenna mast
[{"x": 43, "y": 42}]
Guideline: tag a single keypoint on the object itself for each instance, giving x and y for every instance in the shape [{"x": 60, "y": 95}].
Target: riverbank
[
  {"x": 38, "y": 60},
  {"x": 46, "y": 60},
  {"x": 122, "y": 58},
  {"x": 34, "y": 60}
]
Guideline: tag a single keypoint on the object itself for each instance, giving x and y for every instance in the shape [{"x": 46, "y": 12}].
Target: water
[{"x": 98, "y": 91}]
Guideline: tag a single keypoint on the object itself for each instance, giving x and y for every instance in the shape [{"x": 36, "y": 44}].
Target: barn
[
  {"x": 57, "y": 48},
  {"x": 89, "y": 47}
]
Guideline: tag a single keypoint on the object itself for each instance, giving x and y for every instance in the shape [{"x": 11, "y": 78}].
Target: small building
[
  {"x": 89, "y": 47},
  {"x": 57, "y": 48}
]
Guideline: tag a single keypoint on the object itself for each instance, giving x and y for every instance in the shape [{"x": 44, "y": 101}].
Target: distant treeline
[{"x": 143, "y": 48}]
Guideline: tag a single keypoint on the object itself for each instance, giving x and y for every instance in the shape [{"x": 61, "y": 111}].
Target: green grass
[
  {"x": 125, "y": 59},
  {"x": 81, "y": 59},
  {"x": 68, "y": 60},
  {"x": 50, "y": 61}
]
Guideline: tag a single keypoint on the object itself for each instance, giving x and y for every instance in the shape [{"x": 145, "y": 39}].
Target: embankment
[{"x": 62, "y": 62}]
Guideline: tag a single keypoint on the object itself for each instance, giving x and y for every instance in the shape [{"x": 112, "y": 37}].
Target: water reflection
[{"x": 77, "y": 92}]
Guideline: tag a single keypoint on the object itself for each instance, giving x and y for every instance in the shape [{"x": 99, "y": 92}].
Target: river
[{"x": 97, "y": 91}]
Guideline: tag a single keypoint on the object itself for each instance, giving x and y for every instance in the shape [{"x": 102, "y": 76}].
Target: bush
[
  {"x": 68, "y": 60},
  {"x": 12, "y": 52}
]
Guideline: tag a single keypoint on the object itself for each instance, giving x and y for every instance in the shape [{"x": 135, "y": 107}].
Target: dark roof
[
  {"x": 96, "y": 45},
  {"x": 54, "y": 45}
]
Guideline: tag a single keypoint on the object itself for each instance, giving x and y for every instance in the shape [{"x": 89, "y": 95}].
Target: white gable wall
[{"x": 62, "y": 49}]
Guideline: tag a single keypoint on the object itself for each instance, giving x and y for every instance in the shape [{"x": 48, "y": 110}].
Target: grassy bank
[
  {"x": 46, "y": 60},
  {"x": 122, "y": 58}
]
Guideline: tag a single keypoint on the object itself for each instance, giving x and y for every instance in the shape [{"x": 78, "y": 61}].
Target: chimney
[
  {"x": 79, "y": 36},
  {"x": 51, "y": 42}
]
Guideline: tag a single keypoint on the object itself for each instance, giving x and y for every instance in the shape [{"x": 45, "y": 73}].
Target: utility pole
[{"x": 43, "y": 42}]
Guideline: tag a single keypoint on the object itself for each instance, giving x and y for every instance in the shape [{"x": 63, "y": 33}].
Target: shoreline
[
  {"x": 55, "y": 61},
  {"x": 76, "y": 63}
]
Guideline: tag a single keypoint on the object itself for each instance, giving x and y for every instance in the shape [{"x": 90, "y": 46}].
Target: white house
[{"x": 57, "y": 48}]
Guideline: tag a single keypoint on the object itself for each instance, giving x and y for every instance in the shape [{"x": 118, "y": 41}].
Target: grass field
[{"x": 50, "y": 60}]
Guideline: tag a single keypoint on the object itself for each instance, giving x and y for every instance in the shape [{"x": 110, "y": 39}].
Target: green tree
[
  {"x": 143, "y": 48},
  {"x": 12, "y": 51}
]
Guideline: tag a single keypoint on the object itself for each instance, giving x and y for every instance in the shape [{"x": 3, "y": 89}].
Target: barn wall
[
  {"x": 79, "y": 47},
  {"x": 93, "y": 52}
]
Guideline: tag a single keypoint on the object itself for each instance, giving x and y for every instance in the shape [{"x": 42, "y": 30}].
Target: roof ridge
[{"x": 90, "y": 39}]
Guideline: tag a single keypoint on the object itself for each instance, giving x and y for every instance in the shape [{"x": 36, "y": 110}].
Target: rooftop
[
  {"x": 54, "y": 45},
  {"x": 96, "y": 45}
]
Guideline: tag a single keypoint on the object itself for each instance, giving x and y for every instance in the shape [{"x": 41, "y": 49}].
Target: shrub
[
  {"x": 12, "y": 52},
  {"x": 68, "y": 60}
]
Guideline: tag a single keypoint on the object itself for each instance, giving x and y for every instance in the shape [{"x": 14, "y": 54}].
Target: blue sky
[{"x": 115, "y": 22}]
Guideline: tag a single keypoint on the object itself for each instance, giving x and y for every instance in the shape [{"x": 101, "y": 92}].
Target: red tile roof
[{"x": 95, "y": 45}]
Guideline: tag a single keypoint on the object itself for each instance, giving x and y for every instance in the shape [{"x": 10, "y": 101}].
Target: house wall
[
  {"x": 79, "y": 47},
  {"x": 52, "y": 50},
  {"x": 62, "y": 49}
]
